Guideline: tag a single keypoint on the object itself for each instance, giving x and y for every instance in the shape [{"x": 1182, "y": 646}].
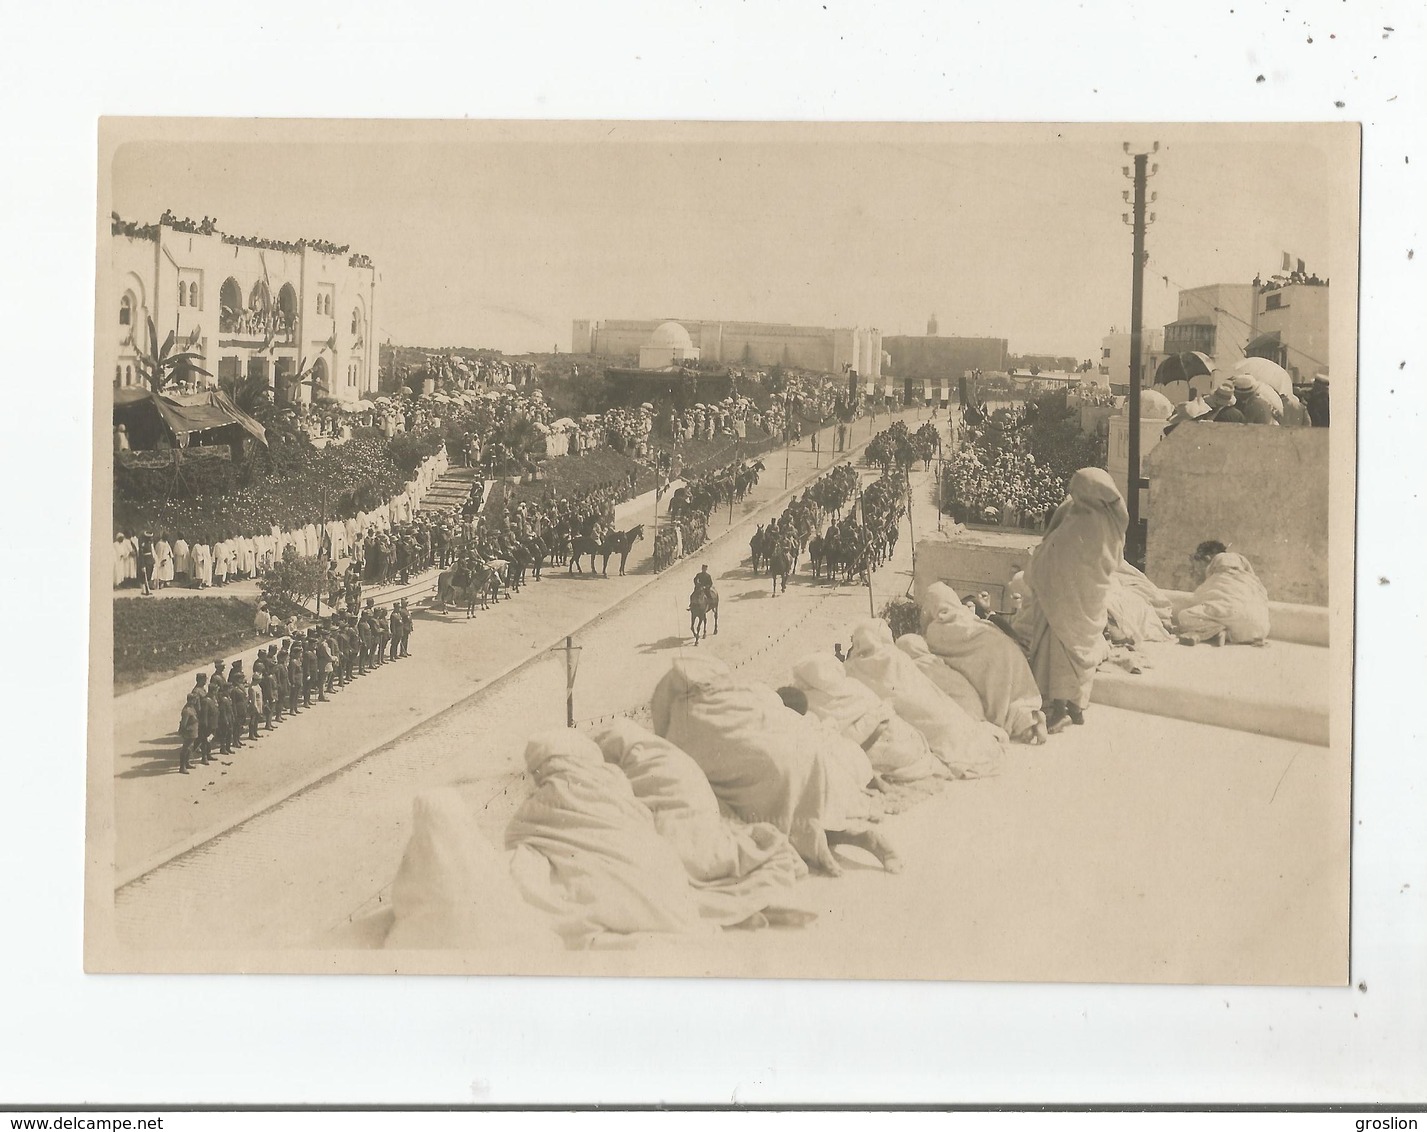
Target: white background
[{"x": 66, "y": 1037}]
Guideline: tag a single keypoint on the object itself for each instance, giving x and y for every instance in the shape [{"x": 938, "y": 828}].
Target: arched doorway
[
  {"x": 230, "y": 306},
  {"x": 287, "y": 313}
]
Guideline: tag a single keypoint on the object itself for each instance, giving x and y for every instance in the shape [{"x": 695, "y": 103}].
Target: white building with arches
[{"x": 300, "y": 314}]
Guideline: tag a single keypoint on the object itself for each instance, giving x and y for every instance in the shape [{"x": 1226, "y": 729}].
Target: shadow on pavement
[{"x": 663, "y": 644}]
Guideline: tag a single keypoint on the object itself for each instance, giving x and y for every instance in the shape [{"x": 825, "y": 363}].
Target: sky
[{"x": 501, "y": 234}]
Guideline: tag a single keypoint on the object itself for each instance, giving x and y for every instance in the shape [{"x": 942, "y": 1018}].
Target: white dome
[{"x": 670, "y": 335}]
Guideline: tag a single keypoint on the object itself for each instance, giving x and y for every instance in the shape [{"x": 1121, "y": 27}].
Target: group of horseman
[
  {"x": 494, "y": 556},
  {"x": 846, "y": 549}
]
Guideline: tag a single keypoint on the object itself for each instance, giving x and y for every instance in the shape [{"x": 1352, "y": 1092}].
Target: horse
[
  {"x": 815, "y": 555},
  {"x": 702, "y": 602},
  {"x": 779, "y": 563},
  {"x": 581, "y": 545},
  {"x": 464, "y": 585},
  {"x": 756, "y": 546},
  {"x": 621, "y": 543}
]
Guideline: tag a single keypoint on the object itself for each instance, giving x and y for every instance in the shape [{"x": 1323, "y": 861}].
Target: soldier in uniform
[
  {"x": 278, "y": 668},
  {"x": 309, "y": 669},
  {"x": 224, "y": 707},
  {"x": 269, "y": 686},
  {"x": 238, "y": 698},
  {"x": 405, "y": 629},
  {"x": 352, "y": 647},
  {"x": 187, "y": 731},
  {"x": 383, "y": 635},
  {"x": 256, "y": 703},
  {"x": 207, "y": 720},
  {"x": 321, "y": 664},
  {"x": 364, "y": 639},
  {"x": 294, "y": 677},
  {"x": 333, "y": 659},
  {"x": 216, "y": 682}
]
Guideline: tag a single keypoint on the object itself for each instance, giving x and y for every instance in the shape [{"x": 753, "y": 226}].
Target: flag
[
  {"x": 1287, "y": 262},
  {"x": 1301, "y": 268}
]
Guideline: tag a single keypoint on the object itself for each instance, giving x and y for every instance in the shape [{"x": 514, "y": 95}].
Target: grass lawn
[{"x": 156, "y": 637}]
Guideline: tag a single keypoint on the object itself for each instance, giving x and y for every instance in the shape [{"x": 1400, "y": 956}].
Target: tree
[
  {"x": 160, "y": 367},
  {"x": 292, "y": 581}
]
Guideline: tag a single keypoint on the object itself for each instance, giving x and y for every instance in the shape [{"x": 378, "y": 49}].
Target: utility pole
[
  {"x": 1133, "y": 550},
  {"x": 866, "y": 548},
  {"x": 572, "y": 664}
]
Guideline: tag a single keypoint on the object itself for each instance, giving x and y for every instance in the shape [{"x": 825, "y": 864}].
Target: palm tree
[
  {"x": 160, "y": 367},
  {"x": 517, "y": 446}
]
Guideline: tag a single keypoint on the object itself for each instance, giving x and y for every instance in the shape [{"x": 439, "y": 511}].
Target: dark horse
[
  {"x": 702, "y": 602},
  {"x": 780, "y": 562},
  {"x": 617, "y": 542}
]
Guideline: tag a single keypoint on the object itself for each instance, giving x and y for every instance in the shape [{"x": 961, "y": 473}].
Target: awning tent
[{"x": 149, "y": 417}]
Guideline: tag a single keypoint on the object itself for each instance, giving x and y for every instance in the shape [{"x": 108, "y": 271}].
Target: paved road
[{"x": 158, "y": 811}]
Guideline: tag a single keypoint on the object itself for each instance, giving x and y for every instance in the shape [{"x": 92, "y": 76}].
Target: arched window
[
  {"x": 182, "y": 294},
  {"x": 128, "y": 375},
  {"x": 193, "y": 294},
  {"x": 230, "y": 304},
  {"x": 118, "y": 375},
  {"x": 126, "y": 311}
]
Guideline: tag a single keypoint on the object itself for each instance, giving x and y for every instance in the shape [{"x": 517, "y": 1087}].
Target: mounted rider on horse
[{"x": 702, "y": 601}]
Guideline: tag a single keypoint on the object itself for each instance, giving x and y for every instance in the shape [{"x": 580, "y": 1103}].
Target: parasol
[
  {"x": 1183, "y": 367},
  {"x": 1270, "y": 373}
]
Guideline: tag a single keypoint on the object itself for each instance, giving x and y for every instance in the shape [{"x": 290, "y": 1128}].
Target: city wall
[{"x": 1263, "y": 491}]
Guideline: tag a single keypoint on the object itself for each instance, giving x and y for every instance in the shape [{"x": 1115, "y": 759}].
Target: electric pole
[{"x": 1133, "y": 549}]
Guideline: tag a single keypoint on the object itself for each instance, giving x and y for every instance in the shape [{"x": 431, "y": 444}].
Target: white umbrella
[{"x": 1270, "y": 373}]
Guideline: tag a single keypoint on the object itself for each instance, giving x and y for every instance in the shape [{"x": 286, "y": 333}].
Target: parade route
[{"x": 160, "y": 813}]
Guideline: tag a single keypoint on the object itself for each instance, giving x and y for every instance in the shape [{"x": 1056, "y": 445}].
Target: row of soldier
[{"x": 226, "y": 706}]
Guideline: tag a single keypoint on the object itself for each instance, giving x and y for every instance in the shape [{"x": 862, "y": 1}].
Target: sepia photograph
[{"x": 426, "y": 454}]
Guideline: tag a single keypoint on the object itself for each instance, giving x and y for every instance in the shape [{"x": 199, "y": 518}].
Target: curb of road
[{"x": 136, "y": 873}]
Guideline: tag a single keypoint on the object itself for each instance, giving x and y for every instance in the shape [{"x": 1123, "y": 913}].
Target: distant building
[
  {"x": 1292, "y": 327},
  {"x": 249, "y": 306},
  {"x": 1217, "y": 320},
  {"x": 931, "y": 326},
  {"x": 1114, "y": 368},
  {"x": 935, "y": 358},
  {"x": 831, "y": 350},
  {"x": 669, "y": 345}
]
